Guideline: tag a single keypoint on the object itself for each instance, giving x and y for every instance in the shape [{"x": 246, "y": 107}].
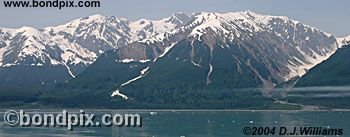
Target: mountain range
[
  {"x": 202, "y": 51},
  {"x": 66, "y": 50}
]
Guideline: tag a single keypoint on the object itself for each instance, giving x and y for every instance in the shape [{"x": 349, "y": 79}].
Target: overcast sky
[{"x": 332, "y": 16}]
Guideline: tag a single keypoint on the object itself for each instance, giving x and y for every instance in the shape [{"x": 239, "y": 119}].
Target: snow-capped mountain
[
  {"x": 290, "y": 46},
  {"x": 146, "y": 29},
  {"x": 274, "y": 48},
  {"x": 78, "y": 43},
  {"x": 221, "y": 51},
  {"x": 302, "y": 46}
]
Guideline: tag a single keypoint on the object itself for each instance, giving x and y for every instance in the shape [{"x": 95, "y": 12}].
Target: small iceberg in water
[{"x": 153, "y": 113}]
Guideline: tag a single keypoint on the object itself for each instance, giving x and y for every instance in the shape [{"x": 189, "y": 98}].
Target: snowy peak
[
  {"x": 94, "y": 33},
  {"x": 144, "y": 29},
  {"x": 179, "y": 19},
  {"x": 246, "y": 20},
  {"x": 31, "y": 36},
  {"x": 96, "y": 17},
  {"x": 86, "y": 22},
  {"x": 28, "y": 31},
  {"x": 27, "y": 45},
  {"x": 304, "y": 46},
  {"x": 347, "y": 39},
  {"x": 344, "y": 41},
  {"x": 229, "y": 23}
]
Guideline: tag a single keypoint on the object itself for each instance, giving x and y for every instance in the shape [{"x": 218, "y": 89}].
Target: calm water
[{"x": 190, "y": 123}]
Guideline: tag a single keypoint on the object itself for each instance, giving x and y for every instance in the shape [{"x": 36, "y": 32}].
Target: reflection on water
[{"x": 191, "y": 123}]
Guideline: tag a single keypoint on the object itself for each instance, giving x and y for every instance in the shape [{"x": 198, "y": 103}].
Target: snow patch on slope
[
  {"x": 117, "y": 92},
  {"x": 127, "y": 60},
  {"x": 143, "y": 72},
  {"x": 2, "y": 51},
  {"x": 166, "y": 50},
  {"x": 301, "y": 68},
  {"x": 209, "y": 73}
]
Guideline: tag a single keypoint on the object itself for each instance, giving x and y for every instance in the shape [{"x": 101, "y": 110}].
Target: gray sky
[{"x": 332, "y": 16}]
